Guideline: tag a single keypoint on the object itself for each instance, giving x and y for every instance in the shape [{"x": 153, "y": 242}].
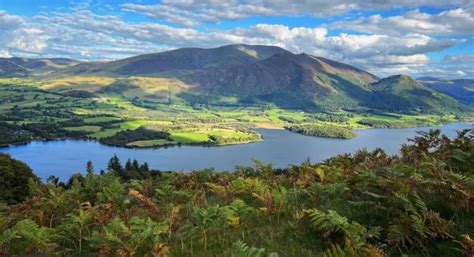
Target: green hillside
[
  {"x": 459, "y": 89},
  {"x": 236, "y": 75},
  {"x": 404, "y": 94}
]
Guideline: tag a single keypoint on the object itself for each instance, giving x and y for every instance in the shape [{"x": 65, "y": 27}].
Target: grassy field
[
  {"x": 151, "y": 143},
  {"x": 91, "y": 129},
  {"x": 86, "y": 83},
  {"x": 105, "y": 114},
  {"x": 190, "y": 137}
]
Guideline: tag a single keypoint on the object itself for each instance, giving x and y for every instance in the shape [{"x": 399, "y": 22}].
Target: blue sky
[{"x": 419, "y": 38}]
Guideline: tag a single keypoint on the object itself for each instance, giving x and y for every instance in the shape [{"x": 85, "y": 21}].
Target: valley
[
  {"x": 216, "y": 96},
  {"x": 34, "y": 110}
]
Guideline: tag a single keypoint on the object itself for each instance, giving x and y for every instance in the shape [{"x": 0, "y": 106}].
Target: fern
[
  {"x": 336, "y": 251},
  {"x": 241, "y": 249}
]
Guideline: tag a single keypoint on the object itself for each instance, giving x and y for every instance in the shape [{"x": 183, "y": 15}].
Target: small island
[{"x": 322, "y": 131}]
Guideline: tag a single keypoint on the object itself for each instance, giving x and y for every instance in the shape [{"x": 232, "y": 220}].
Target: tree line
[{"x": 322, "y": 131}]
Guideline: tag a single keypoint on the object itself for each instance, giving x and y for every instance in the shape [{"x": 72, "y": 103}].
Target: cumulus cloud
[
  {"x": 28, "y": 40},
  {"x": 85, "y": 35},
  {"x": 192, "y": 12},
  {"x": 18, "y": 35},
  {"x": 453, "y": 22},
  {"x": 5, "y": 54},
  {"x": 9, "y": 22}
]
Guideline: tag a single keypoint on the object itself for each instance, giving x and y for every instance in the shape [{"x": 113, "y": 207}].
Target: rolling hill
[
  {"x": 403, "y": 93},
  {"x": 460, "y": 89},
  {"x": 243, "y": 75},
  {"x": 10, "y": 67}
]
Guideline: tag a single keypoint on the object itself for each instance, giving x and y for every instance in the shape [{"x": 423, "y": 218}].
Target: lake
[{"x": 280, "y": 147}]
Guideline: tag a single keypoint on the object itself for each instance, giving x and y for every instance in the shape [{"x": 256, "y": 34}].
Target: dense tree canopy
[
  {"x": 322, "y": 131},
  {"x": 14, "y": 180}
]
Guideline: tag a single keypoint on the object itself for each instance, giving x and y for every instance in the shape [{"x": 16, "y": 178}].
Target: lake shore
[{"x": 280, "y": 147}]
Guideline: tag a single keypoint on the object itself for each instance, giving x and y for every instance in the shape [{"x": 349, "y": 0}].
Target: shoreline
[{"x": 220, "y": 145}]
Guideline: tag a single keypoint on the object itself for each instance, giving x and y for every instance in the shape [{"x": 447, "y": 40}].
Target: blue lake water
[{"x": 282, "y": 148}]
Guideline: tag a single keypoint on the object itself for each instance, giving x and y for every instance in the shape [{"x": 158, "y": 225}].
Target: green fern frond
[{"x": 241, "y": 249}]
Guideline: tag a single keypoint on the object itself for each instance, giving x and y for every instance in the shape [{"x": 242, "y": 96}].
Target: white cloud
[
  {"x": 9, "y": 22},
  {"x": 5, "y": 54},
  {"x": 85, "y": 35},
  {"x": 460, "y": 73},
  {"x": 192, "y": 12},
  {"x": 18, "y": 35},
  {"x": 453, "y": 22},
  {"x": 465, "y": 58},
  {"x": 165, "y": 13},
  {"x": 29, "y": 40}
]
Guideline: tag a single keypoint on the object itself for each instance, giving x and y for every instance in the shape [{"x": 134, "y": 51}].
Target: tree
[
  {"x": 128, "y": 165},
  {"x": 135, "y": 164},
  {"x": 90, "y": 168},
  {"x": 14, "y": 177},
  {"x": 115, "y": 166},
  {"x": 75, "y": 177},
  {"x": 144, "y": 167}
]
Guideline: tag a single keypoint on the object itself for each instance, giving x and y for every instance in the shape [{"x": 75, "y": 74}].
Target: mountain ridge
[
  {"x": 253, "y": 74},
  {"x": 460, "y": 89},
  {"x": 17, "y": 66}
]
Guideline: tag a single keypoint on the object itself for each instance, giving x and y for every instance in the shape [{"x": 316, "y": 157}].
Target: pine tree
[
  {"x": 115, "y": 166},
  {"x": 90, "y": 168},
  {"x": 135, "y": 165},
  {"x": 145, "y": 170},
  {"x": 128, "y": 165},
  {"x": 144, "y": 167}
]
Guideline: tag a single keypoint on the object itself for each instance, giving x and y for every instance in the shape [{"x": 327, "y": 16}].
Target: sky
[{"x": 385, "y": 37}]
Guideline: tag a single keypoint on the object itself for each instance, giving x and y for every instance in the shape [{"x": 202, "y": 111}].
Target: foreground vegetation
[{"x": 419, "y": 203}]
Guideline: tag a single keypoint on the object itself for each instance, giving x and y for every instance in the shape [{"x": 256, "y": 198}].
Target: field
[{"x": 114, "y": 105}]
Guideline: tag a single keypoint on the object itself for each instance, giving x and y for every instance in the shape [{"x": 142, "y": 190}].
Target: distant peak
[{"x": 400, "y": 77}]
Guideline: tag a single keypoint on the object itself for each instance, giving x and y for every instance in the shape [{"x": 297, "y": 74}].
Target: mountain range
[
  {"x": 253, "y": 74},
  {"x": 460, "y": 89}
]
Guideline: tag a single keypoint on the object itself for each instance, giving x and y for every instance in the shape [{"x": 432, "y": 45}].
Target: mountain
[
  {"x": 11, "y": 69},
  {"x": 239, "y": 74},
  {"x": 284, "y": 79},
  {"x": 180, "y": 60},
  {"x": 403, "y": 93},
  {"x": 460, "y": 89},
  {"x": 15, "y": 66}
]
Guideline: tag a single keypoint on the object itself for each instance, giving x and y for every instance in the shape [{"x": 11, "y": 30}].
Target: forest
[
  {"x": 417, "y": 203},
  {"x": 322, "y": 131}
]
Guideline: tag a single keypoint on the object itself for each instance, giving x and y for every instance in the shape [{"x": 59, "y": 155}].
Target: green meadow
[{"x": 105, "y": 113}]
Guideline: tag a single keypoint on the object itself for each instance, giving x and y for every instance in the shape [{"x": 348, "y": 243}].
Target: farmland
[{"x": 62, "y": 106}]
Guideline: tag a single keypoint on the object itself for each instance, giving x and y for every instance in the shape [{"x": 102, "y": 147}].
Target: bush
[{"x": 14, "y": 180}]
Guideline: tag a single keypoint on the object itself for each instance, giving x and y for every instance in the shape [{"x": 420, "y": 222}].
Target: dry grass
[
  {"x": 87, "y": 83},
  {"x": 145, "y": 86}
]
